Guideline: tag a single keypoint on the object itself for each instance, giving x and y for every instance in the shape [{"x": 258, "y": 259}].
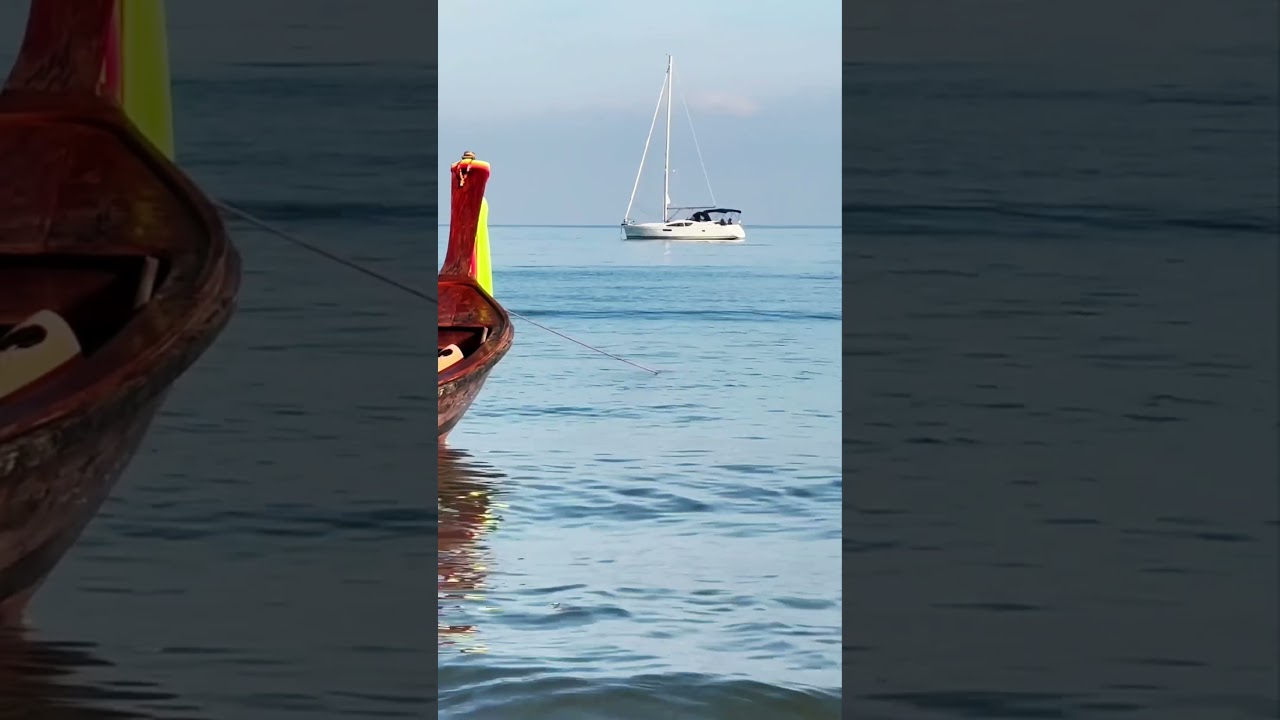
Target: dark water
[
  {"x": 265, "y": 554},
  {"x": 619, "y": 545},
  {"x": 1061, "y": 358}
]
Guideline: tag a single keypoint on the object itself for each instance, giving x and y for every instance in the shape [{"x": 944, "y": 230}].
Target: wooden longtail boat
[
  {"x": 475, "y": 331},
  {"x": 115, "y": 275}
]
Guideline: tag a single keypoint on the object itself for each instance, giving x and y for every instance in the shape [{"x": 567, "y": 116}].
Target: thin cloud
[{"x": 724, "y": 104}]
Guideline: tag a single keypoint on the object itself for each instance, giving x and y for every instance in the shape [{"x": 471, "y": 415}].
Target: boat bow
[{"x": 474, "y": 331}]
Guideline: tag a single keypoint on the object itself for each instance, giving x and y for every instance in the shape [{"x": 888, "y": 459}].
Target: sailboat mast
[{"x": 666, "y": 159}]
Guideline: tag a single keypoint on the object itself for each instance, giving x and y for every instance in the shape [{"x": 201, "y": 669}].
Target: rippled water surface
[
  {"x": 1062, "y": 344},
  {"x": 615, "y": 544}
]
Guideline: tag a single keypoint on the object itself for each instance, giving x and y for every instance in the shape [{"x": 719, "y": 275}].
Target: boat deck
[
  {"x": 95, "y": 295},
  {"x": 468, "y": 339}
]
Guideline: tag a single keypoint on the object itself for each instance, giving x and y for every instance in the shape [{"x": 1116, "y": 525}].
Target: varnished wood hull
[
  {"x": 464, "y": 304},
  {"x": 79, "y": 183},
  {"x": 45, "y": 508},
  {"x": 454, "y": 399}
]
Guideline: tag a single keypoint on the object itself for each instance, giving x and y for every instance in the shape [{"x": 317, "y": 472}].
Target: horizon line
[{"x": 559, "y": 225}]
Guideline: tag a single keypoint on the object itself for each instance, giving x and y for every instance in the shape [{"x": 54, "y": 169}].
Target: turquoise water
[{"x": 618, "y": 544}]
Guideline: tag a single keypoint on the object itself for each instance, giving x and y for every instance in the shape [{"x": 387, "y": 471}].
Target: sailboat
[{"x": 708, "y": 223}]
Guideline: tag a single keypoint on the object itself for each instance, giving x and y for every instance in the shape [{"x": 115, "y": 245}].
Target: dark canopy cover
[{"x": 705, "y": 215}]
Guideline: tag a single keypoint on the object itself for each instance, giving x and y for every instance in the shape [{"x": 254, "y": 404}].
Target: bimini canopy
[{"x": 705, "y": 215}]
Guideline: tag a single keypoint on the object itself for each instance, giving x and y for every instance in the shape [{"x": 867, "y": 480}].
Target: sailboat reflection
[
  {"x": 38, "y": 680},
  {"x": 467, "y": 513}
]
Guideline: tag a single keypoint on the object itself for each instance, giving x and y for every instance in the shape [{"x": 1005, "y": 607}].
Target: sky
[{"x": 558, "y": 96}]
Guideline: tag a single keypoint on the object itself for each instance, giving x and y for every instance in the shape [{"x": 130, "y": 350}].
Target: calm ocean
[
  {"x": 615, "y": 544},
  {"x": 1061, "y": 360}
]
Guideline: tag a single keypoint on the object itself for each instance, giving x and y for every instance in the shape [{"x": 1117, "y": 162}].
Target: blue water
[
  {"x": 616, "y": 544},
  {"x": 1061, "y": 347}
]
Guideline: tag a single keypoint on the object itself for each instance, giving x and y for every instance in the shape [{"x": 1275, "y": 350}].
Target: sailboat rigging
[{"x": 706, "y": 223}]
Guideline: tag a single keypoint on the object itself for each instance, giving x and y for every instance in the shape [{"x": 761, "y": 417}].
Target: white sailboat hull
[{"x": 684, "y": 231}]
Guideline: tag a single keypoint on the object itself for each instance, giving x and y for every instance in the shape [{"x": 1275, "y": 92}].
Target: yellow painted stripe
[
  {"x": 484, "y": 264},
  {"x": 145, "y": 72}
]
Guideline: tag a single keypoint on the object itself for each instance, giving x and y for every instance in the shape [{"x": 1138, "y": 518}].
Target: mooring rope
[{"x": 290, "y": 237}]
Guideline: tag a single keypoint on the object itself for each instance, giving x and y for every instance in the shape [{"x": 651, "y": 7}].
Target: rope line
[{"x": 290, "y": 237}]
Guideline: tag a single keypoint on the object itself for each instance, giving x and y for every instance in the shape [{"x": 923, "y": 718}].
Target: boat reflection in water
[
  {"x": 467, "y": 513},
  {"x": 38, "y": 679}
]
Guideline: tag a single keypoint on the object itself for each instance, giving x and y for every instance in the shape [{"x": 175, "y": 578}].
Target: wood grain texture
[{"x": 78, "y": 181}]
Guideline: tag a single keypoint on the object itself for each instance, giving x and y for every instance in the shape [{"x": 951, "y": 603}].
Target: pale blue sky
[{"x": 559, "y": 96}]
